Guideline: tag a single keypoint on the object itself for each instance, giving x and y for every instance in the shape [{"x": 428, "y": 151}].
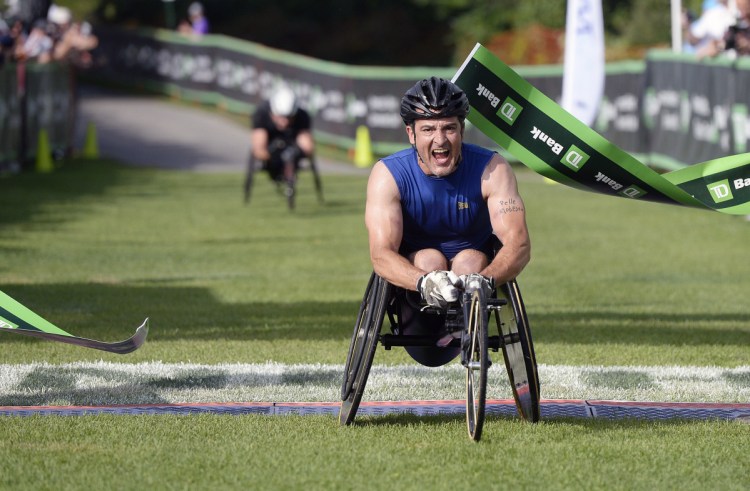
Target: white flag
[{"x": 583, "y": 73}]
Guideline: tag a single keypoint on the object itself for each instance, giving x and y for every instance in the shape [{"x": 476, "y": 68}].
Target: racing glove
[
  {"x": 438, "y": 288},
  {"x": 475, "y": 281}
]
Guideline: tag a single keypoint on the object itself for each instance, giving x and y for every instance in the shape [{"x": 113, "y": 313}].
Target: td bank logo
[
  {"x": 575, "y": 158},
  {"x": 720, "y": 191},
  {"x": 509, "y": 110}
]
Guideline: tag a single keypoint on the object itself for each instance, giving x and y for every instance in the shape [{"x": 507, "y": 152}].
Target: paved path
[{"x": 149, "y": 131}]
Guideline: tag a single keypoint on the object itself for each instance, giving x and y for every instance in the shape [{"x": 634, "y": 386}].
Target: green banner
[{"x": 549, "y": 140}]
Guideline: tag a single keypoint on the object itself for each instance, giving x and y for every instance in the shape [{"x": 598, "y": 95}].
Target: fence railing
[{"x": 34, "y": 98}]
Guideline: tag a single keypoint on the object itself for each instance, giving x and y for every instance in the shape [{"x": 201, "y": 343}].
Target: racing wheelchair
[
  {"x": 467, "y": 321},
  {"x": 285, "y": 180}
]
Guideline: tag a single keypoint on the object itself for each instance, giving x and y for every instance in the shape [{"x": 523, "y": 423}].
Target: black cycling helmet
[{"x": 434, "y": 98}]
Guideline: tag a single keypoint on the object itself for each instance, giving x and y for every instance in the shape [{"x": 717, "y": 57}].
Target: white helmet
[{"x": 284, "y": 102}]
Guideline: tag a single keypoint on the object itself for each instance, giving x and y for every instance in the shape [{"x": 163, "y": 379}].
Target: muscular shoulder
[
  {"x": 381, "y": 183},
  {"x": 498, "y": 177}
]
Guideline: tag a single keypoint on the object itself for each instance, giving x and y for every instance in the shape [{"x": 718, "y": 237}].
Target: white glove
[
  {"x": 438, "y": 288},
  {"x": 475, "y": 281}
]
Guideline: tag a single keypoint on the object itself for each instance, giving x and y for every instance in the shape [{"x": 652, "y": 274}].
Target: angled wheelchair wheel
[
  {"x": 518, "y": 351},
  {"x": 316, "y": 178},
  {"x": 248, "y": 184},
  {"x": 362, "y": 347},
  {"x": 475, "y": 358},
  {"x": 290, "y": 192}
]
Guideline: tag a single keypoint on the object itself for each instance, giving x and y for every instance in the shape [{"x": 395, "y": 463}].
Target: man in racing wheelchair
[
  {"x": 436, "y": 214},
  {"x": 281, "y": 138},
  {"x": 435, "y": 211}
]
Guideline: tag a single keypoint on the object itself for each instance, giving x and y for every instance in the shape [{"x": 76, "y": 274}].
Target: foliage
[
  {"x": 649, "y": 23},
  {"x": 393, "y": 32}
]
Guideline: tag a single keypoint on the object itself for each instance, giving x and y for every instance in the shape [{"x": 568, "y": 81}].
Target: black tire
[
  {"x": 248, "y": 184},
  {"x": 518, "y": 351},
  {"x": 476, "y": 363},
  {"x": 316, "y": 177},
  {"x": 362, "y": 347},
  {"x": 290, "y": 191},
  {"x": 356, "y": 346}
]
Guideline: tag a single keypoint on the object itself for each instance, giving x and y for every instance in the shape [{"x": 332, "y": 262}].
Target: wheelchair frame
[
  {"x": 290, "y": 186},
  {"x": 471, "y": 316}
]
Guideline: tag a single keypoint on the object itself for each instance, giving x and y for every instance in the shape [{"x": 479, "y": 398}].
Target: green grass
[
  {"x": 391, "y": 452},
  {"x": 96, "y": 247}
]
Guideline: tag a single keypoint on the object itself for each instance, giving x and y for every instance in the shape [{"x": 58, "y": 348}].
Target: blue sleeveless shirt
[{"x": 445, "y": 213}]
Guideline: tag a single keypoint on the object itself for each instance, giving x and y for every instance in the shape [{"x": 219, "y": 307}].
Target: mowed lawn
[{"x": 96, "y": 247}]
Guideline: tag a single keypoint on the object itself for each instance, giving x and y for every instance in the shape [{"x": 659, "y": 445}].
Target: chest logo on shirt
[{"x": 463, "y": 205}]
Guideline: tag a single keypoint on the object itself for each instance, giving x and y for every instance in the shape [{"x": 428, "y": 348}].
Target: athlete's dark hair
[{"x": 434, "y": 98}]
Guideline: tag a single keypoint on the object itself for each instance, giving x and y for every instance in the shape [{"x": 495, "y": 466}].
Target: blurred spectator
[
  {"x": 710, "y": 27},
  {"x": 28, "y": 11},
  {"x": 12, "y": 41},
  {"x": 38, "y": 44},
  {"x": 73, "y": 41},
  {"x": 197, "y": 23},
  {"x": 55, "y": 37},
  {"x": 6, "y": 41},
  {"x": 736, "y": 40}
]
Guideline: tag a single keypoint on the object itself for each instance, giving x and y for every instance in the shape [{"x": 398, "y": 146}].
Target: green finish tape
[
  {"x": 553, "y": 143},
  {"x": 14, "y": 315},
  {"x": 18, "y": 319}
]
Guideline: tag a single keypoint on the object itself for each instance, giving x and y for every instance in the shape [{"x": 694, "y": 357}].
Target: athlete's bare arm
[
  {"x": 385, "y": 229},
  {"x": 259, "y": 143},
  {"x": 508, "y": 218},
  {"x": 306, "y": 142}
]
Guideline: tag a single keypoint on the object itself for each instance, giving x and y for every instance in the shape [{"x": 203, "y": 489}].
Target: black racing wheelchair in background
[
  {"x": 285, "y": 180},
  {"x": 467, "y": 321}
]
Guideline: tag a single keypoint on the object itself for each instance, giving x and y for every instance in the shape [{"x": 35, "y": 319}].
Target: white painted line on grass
[{"x": 104, "y": 383}]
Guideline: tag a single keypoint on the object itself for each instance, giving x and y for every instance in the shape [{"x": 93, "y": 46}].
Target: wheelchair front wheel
[
  {"x": 248, "y": 184},
  {"x": 316, "y": 178},
  {"x": 518, "y": 351},
  {"x": 475, "y": 357},
  {"x": 362, "y": 347}
]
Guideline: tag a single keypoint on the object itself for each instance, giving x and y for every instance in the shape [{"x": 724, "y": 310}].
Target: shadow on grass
[
  {"x": 640, "y": 329},
  {"x": 108, "y": 312},
  {"x": 23, "y": 196}
]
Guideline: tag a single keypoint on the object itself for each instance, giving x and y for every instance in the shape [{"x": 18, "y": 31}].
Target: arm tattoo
[{"x": 510, "y": 205}]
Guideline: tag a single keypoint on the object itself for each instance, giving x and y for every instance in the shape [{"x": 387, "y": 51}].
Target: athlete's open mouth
[{"x": 440, "y": 154}]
